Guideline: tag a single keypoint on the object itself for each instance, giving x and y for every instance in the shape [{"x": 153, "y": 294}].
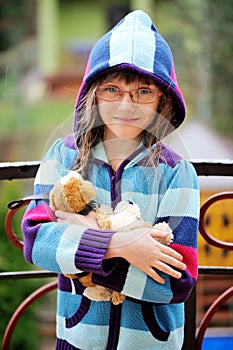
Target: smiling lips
[{"x": 120, "y": 120}]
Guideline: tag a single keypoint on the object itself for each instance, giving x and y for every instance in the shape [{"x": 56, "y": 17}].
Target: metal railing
[{"x": 193, "y": 336}]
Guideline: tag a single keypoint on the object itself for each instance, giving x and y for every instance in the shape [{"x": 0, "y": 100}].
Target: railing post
[{"x": 190, "y": 322}]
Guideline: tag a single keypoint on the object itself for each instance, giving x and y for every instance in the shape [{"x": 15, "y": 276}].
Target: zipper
[
  {"x": 113, "y": 188},
  {"x": 115, "y": 310}
]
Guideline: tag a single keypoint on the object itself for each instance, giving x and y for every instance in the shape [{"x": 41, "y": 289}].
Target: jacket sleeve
[
  {"x": 54, "y": 246},
  {"x": 179, "y": 206}
]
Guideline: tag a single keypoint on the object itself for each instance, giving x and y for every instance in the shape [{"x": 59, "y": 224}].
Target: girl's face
[{"x": 127, "y": 109}]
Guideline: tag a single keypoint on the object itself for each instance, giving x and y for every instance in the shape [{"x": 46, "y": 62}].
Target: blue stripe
[
  {"x": 38, "y": 188},
  {"x": 161, "y": 292},
  {"x": 51, "y": 245},
  {"x": 184, "y": 230},
  {"x": 170, "y": 317},
  {"x": 69, "y": 303},
  {"x": 101, "y": 49},
  {"x": 163, "y": 65}
]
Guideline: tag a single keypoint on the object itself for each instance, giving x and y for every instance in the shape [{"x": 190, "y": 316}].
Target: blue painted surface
[{"x": 217, "y": 343}]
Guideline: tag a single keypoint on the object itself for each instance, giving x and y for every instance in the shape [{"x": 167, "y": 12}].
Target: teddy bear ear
[
  {"x": 51, "y": 200},
  {"x": 87, "y": 190}
]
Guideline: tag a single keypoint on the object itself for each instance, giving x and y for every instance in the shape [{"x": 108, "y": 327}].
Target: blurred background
[{"x": 44, "y": 46}]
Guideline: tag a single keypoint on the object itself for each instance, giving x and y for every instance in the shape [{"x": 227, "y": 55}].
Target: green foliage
[
  {"x": 220, "y": 31},
  {"x": 14, "y": 11},
  {"x": 200, "y": 34}
]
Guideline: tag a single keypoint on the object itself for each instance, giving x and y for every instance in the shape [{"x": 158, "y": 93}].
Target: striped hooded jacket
[{"x": 152, "y": 316}]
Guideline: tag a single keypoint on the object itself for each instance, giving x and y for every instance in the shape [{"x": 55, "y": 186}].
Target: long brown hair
[{"x": 91, "y": 128}]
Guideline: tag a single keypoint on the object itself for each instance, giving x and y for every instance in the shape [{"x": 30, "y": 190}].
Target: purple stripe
[
  {"x": 29, "y": 241},
  {"x": 92, "y": 249},
  {"x": 182, "y": 287},
  {"x": 69, "y": 141},
  {"x": 64, "y": 284},
  {"x": 79, "y": 314},
  {"x": 169, "y": 157},
  {"x": 114, "y": 327},
  {"x": 151, "y": 322},
  {"x": 64, "y": 345},
  {"x": 116, "y": 279}
]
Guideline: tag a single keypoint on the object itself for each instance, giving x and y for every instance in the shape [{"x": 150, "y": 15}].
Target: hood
[{"x": 134, "y": 44}]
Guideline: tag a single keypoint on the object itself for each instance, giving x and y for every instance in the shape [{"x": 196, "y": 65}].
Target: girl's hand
[
  {"x": 140, "y": 248},
  {"x": 70, "y": 218}
]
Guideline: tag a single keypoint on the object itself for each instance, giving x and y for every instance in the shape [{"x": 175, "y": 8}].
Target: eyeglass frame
[{"x": 121, "y": 92}]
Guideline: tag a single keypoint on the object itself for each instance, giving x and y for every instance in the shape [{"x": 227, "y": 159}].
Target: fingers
[
  {"x": 73, "y": 218},
  {"x": 166, "y": 269},
  {"x": 155, "y": 276},
  {"x": 167, "y": 260},
  {"x": 62, "y": 214},
  {"x": 163, "y": 268},
  {"x": 170, "y": 252},
  {"x": 66, "y": 217},
  {"x": 157, "y": 234},
  {"x": 169, "y": 266},
  {"x": 166, "y": 249}
]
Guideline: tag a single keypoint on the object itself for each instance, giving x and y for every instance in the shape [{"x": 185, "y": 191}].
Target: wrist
[{"x": 114, "y": 250}]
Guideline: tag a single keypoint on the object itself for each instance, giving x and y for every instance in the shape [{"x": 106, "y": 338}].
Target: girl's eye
[
  {"x": 111, "y": 89},
  {"x": 144, "y": 91}
]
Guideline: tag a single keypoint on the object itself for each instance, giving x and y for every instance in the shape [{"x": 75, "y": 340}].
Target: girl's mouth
[{"x": 121, "y": 120}]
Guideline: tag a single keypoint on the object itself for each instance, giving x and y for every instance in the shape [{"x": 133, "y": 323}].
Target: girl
[{"x": 128, "y": 102}]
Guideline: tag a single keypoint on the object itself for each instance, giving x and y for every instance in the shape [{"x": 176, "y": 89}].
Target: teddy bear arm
[
  {"x": 87, "y": 280},
  {"x": 164, "y": 227},
  {"x": 98, "y": 293},
  {"x": 117, "y": 298},
  {"x": 70, "y": 275},
  {"x": 103, "y": 222}
]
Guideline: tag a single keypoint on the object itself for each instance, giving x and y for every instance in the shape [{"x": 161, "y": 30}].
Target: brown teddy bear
[{"x": 74, "y": 194}]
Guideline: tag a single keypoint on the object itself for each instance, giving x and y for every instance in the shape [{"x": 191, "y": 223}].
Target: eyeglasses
[{"x": 140, "y": 95}]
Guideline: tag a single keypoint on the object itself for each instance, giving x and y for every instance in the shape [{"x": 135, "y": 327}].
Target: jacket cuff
[
  {"x": 91, "y": 251},
  {"x": 116, "y": 279}
]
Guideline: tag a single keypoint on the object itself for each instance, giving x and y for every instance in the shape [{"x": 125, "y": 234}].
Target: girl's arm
[{"x": 146, "y": 253}]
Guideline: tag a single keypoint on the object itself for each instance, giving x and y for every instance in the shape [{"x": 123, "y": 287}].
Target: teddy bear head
[{"x": 71, "y": 193}]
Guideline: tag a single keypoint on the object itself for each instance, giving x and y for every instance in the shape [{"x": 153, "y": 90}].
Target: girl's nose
[
  {"x": 125, "y": 99},
  {"x": 126, "y": 105}
]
